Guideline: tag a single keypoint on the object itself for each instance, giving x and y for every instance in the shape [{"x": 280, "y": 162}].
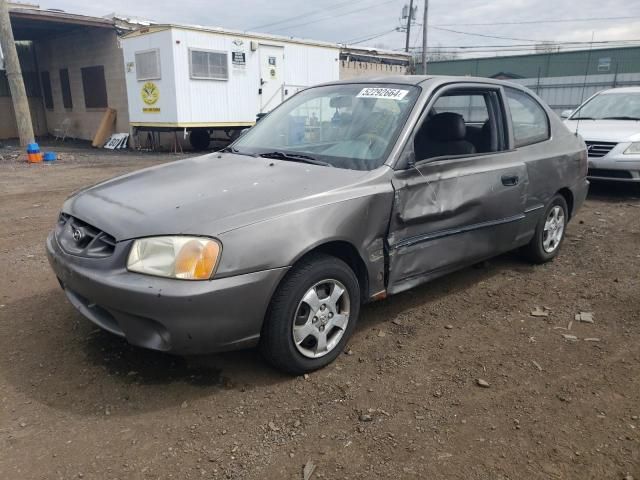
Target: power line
[
  {"x": 629, "y": 42},
  {"x": 487, "y": 36},
  {"x": 358, "y": 40},
  {"x": 331, "y": 17},
  {"x": 551, "y": 20},
  {"x": 566, "y": 47},
  {"x": 515, "y": 51},
  {"x": 302, "y": 15}
]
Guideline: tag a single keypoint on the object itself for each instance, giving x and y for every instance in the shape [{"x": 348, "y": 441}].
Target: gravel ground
[{"x": 560, "y": 397}]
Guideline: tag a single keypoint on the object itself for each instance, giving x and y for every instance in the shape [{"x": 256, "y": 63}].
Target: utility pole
[
  {"x": 409, "y": 18},
  {"x": 14, "y": 75},
  {"x": 425, "y": 20}
]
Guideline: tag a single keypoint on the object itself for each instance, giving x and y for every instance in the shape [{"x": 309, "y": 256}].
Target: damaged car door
[{"x": 460, "y": 190}]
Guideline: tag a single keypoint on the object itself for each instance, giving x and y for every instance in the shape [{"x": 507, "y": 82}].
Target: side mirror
[
  {"x": 411, "y": 160},
  {"x": 566, "y": 113}
]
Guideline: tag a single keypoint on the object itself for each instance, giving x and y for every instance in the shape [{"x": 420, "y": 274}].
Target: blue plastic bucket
[
  {"x": 49, "y": 156},
  {"x": 33, "y": 148}
]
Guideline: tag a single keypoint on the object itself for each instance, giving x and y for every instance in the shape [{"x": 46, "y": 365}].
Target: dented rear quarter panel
[{"x": 556, "y": 164}]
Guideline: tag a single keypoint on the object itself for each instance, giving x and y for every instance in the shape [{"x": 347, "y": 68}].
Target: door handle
[{"x": 510, "y": 180}]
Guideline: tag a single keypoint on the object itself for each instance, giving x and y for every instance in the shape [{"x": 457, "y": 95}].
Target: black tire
[
  {"x": 276, "y": 340},
  {"x": 535, "y": 251},
  {"x": 199, "y": 139}
]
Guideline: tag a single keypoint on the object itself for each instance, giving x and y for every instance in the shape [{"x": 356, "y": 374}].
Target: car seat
[{"x": 441, "y": 135}]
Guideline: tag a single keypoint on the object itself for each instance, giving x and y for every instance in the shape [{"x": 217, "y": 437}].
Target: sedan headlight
[
  {"x": 633, "y": 149},
  {"x": 187, "y": 258}
]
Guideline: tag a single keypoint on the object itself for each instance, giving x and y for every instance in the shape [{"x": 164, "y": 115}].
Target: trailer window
[
  {"x": 207, "y": 64},
  {"x": 148, "y": 65}
]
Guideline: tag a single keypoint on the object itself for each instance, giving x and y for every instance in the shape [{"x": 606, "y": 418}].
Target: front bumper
[
  {"x": 615, "y": 166},
  {"x": 177, "y": 316}
]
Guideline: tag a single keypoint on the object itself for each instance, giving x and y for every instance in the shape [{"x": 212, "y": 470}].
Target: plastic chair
[{"x": 61, "y": 132}]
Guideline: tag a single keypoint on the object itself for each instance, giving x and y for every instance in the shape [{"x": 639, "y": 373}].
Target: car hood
[
  {"x": 606, "y": 130},
  {"x": 206, "y": 195}
]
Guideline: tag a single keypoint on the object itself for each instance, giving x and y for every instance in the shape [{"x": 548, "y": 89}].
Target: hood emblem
[{"x": 78, "y": 235}]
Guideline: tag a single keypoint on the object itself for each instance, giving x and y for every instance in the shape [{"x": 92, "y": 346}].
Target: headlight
[
  {"x": 633, "y": 149},
  {"x": 187, "y": 258}
]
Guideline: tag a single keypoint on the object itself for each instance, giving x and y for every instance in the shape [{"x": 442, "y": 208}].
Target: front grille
[
  {"x": 599, "y": 149},
  {"x": 608, "y": 173},
  {"x": 79, "y": 238}
]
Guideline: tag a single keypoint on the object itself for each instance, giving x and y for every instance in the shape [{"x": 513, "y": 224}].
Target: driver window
[{"x": 458, "y": 123}]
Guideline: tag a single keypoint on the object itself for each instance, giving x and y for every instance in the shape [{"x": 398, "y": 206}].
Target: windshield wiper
[
  {"x": 294, "y": 157},
  {"x": 237, "y": 152},
  {"x": 623, "y": 117}
]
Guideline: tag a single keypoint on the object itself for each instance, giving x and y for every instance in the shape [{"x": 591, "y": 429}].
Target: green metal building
[
  {"x": 562, "y": 79},
  {"x": 555, "y": 64}
]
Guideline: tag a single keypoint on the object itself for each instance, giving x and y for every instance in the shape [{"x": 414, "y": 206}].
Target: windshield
[
  {"x": 352, "y": 126},
  {"x": 613, "y": 106}
]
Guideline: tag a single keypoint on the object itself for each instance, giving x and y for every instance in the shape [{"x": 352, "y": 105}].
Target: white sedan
[{"x": 609, "y": 123}]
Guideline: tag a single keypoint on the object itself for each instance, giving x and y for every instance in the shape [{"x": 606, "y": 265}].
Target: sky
[{"x": 355, "y": 20}]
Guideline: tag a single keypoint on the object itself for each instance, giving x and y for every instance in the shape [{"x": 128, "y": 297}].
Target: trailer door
[{"x": 271, "y": 76}]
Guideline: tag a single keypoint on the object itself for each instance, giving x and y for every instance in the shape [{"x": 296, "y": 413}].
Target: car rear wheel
[
  {"x": 311, "y": 316},
  {"x": 546, "y": 242}
]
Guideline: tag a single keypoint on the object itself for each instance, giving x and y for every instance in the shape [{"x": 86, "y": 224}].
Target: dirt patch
[{"x": 404, "y": 401}]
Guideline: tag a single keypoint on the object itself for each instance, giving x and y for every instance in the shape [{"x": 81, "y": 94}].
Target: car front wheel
[
  {"x": 311, "y": 315},
  {"x": 550, "y": 232}
]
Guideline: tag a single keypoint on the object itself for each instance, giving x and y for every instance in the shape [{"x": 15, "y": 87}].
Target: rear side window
[{"x": 530, "y": 121}]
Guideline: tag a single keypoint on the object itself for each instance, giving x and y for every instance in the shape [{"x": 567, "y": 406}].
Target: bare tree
[{"x": 438, "y": 54}]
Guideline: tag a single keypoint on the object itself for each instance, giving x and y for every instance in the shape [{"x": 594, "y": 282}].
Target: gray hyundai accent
[{"x": 346, "y": 193}]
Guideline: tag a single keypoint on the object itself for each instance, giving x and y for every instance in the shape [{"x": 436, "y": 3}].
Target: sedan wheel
[
  {"x": 311, "y": 315},
  {"x": 321, "y": 319},
  {"x": 553, "y": 229},
  {"x": 550, "y": 231}
]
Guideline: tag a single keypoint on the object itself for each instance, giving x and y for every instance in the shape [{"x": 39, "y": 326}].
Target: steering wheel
[{"x": 373, "y": 139}]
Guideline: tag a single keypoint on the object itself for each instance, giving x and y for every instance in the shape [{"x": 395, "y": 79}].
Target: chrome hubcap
[
  {"x": 321, "y": 318},
  {"x": 553, "y": 229}
]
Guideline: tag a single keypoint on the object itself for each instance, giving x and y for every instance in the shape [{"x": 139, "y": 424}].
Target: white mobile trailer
[{"x": 199, "y": 80}]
